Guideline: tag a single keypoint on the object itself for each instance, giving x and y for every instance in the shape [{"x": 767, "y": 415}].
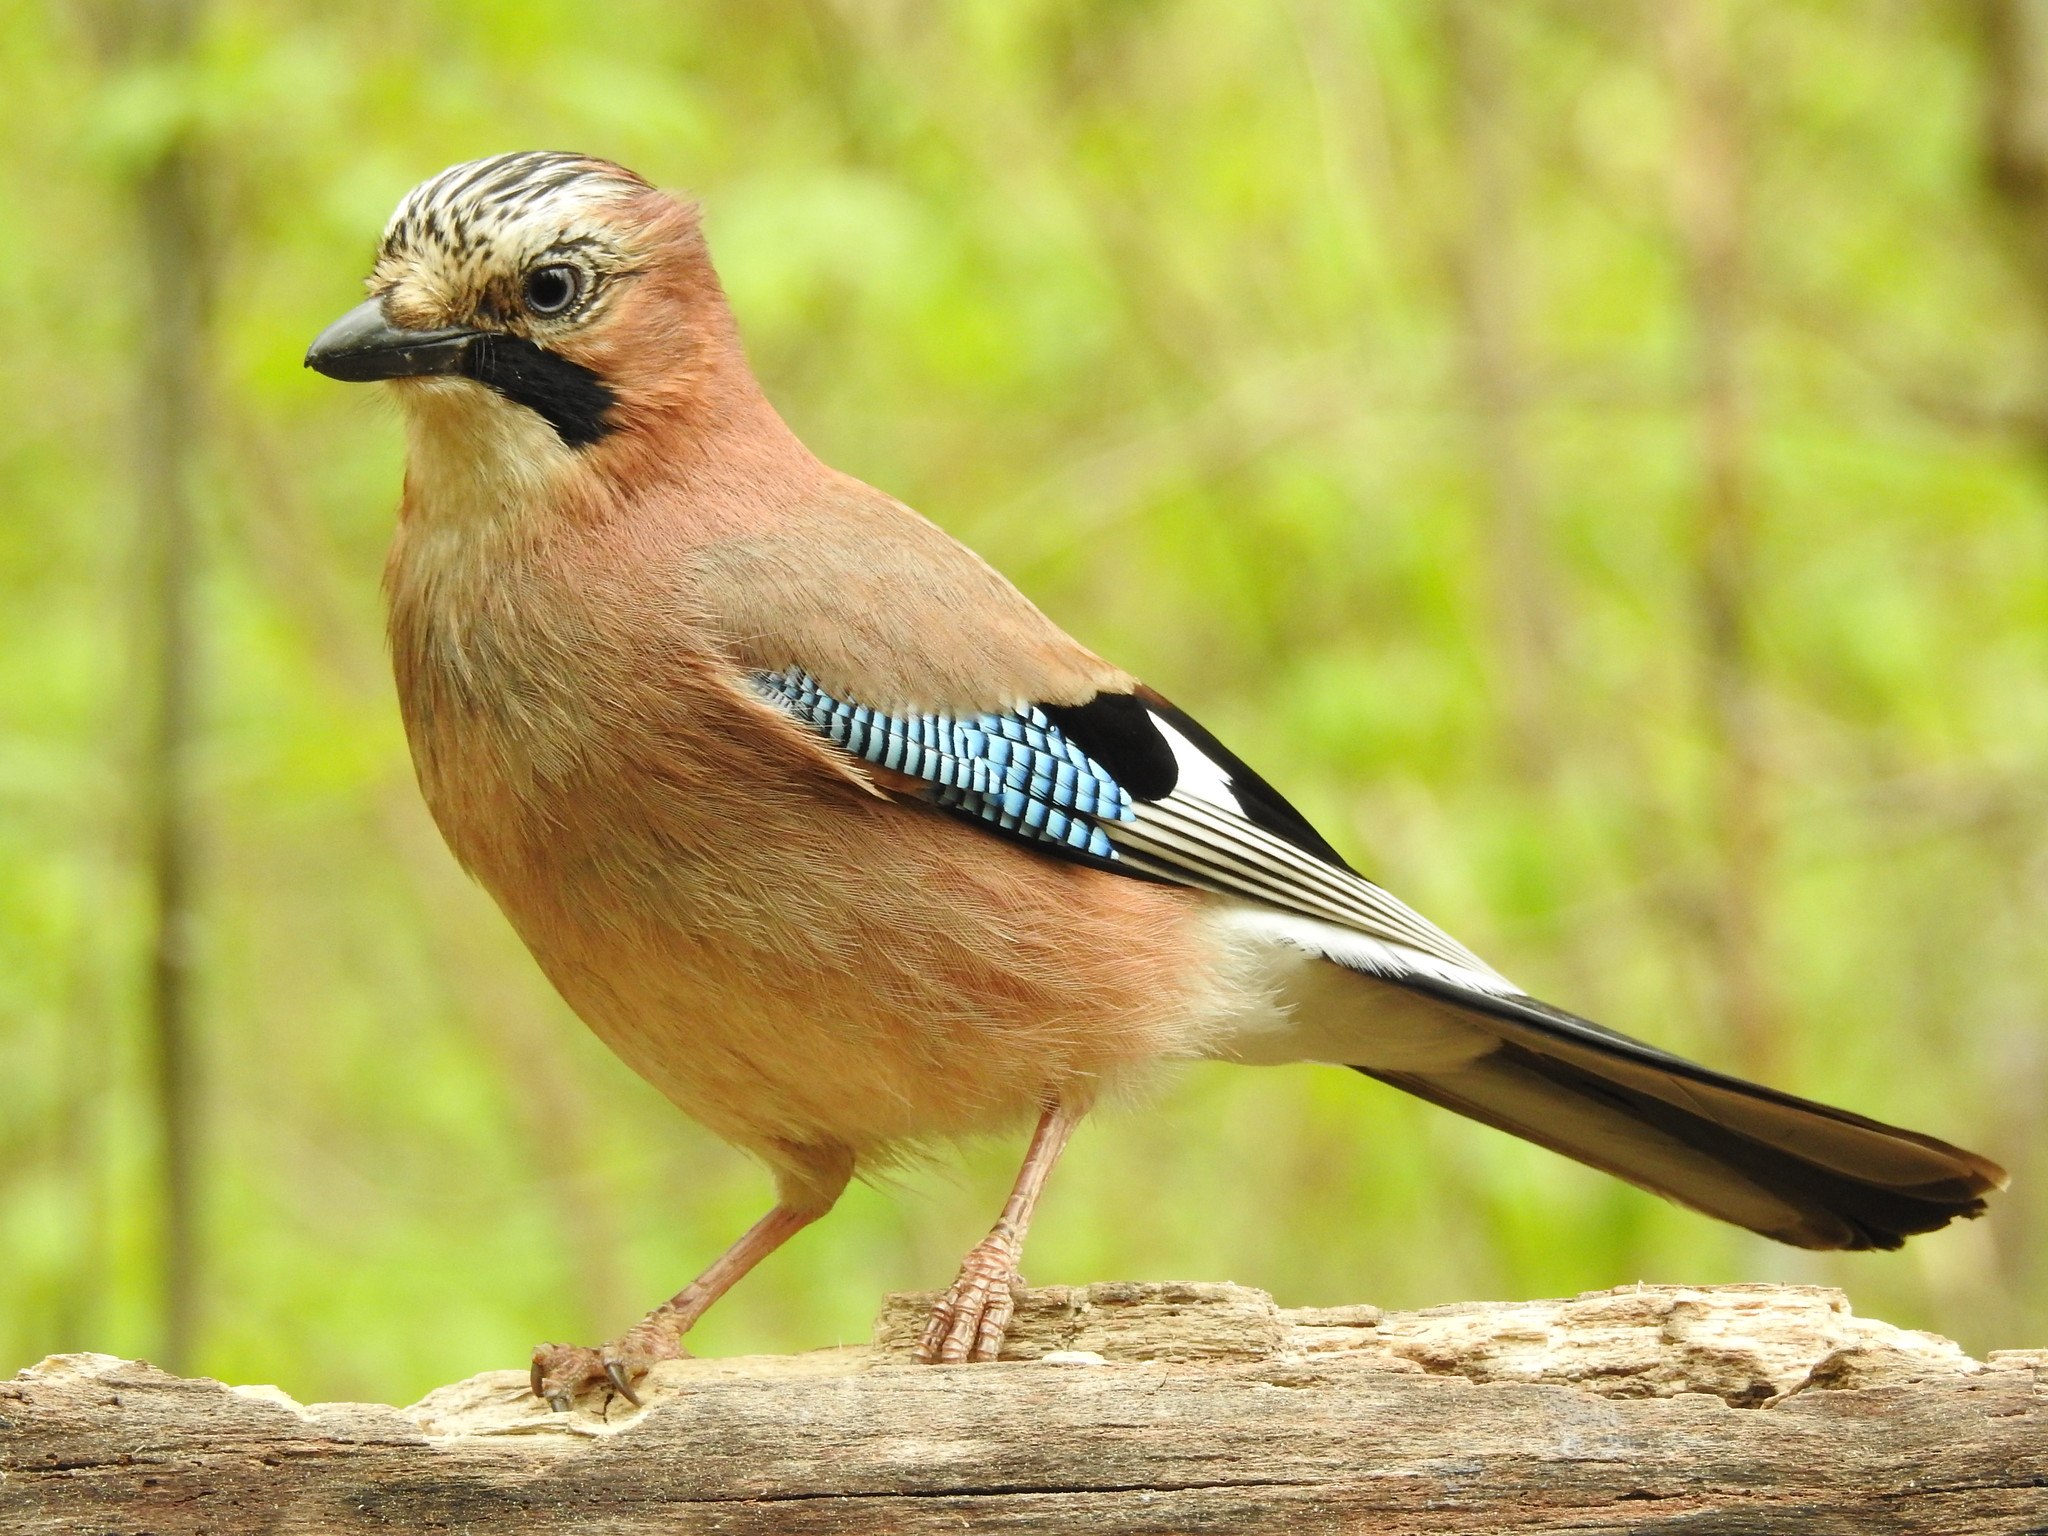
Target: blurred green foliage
[{"x": 1166, "y": 307}]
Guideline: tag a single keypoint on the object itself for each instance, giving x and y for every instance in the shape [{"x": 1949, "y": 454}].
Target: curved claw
[
  {"x": 615, "y": 1373},
  {"x": 539, "y": 1382},
  {"x": 559, "y": 1401}
]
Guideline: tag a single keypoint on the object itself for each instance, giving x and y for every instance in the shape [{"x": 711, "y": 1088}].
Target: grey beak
[{"x": 362, "y": 345}]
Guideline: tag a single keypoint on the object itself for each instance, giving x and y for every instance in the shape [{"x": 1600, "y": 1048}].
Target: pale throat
[
  {"x": 476, "y": 463},
  {"x": 486, "y": 484}
]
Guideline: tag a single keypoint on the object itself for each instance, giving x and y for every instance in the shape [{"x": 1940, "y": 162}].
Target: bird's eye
[{"x": 551, "y": 289}]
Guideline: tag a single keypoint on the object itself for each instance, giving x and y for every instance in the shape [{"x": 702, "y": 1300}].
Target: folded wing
[{"x": 1130, "y": 784}]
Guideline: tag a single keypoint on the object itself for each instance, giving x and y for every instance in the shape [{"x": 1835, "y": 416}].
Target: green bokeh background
[{"x": 1167, "y": 308}]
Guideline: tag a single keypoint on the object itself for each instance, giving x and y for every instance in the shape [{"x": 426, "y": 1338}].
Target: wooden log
[{"x": 1118, "y": 1408}]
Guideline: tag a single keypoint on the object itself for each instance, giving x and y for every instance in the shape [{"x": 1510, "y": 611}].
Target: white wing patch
[{"x": 1198, "y": 835}]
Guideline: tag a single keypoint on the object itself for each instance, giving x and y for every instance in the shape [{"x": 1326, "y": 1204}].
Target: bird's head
[{"x": 545, "y": 302}]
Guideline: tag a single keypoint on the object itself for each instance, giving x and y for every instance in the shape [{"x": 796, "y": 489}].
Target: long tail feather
[{"x": 1801, "y": 1172}]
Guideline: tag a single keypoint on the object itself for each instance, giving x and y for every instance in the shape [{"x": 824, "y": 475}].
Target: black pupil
[{"x": 550, "y": 289}]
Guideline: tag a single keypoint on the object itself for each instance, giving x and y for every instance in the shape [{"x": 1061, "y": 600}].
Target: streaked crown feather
[
  {"x": 471, "y": 207},
  {"x": 454, "y": 250}
]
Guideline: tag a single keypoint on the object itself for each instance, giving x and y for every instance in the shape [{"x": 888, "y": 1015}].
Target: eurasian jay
[{"x": 844, "y": 846}]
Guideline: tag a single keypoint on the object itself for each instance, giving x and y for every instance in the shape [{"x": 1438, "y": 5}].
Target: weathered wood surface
[{"x": 1169, "y": 1409}]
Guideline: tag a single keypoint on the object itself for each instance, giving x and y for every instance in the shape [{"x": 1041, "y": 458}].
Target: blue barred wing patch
[{"x": 1013, "y": 770}]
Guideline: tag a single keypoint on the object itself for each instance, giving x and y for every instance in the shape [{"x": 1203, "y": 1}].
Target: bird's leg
[
  {"x": 971, "y": 1318},
  {"x": 561, "y": 1371}
]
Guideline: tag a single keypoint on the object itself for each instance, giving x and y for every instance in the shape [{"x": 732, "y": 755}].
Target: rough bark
[{"x": 1126, "y": 1408}]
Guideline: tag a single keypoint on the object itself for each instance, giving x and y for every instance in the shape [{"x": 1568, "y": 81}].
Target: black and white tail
[{"x": 1801, "y": 1172}]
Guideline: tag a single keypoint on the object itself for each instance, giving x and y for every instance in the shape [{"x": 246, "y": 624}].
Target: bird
[{"x": 849, "y": 850}]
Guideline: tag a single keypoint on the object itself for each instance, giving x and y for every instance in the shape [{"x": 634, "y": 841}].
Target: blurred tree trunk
[
  {"x": 1708, "y": 203},
  {"x": 171, "y": 331},
  {"x": 2014, "y": 35},
  {"x": 1487, "y": 264}
]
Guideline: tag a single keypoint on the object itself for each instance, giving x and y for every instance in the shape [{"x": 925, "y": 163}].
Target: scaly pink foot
[{"x": 971, "y": 1318}]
